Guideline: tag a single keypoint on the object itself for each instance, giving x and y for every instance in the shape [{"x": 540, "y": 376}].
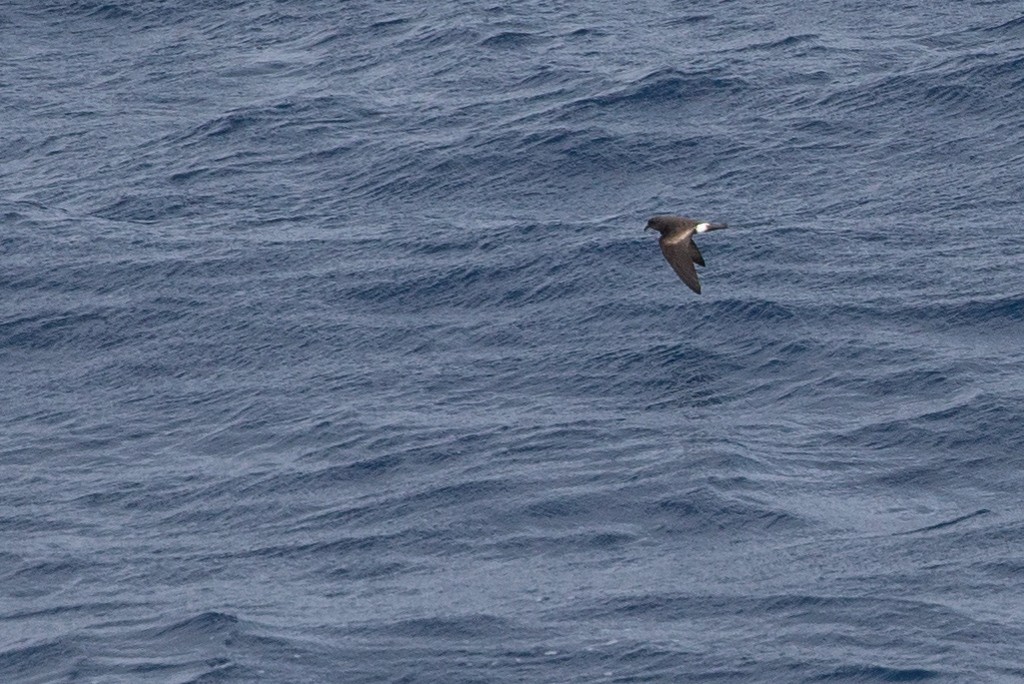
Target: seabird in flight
[{"x": 678, "y": 246}]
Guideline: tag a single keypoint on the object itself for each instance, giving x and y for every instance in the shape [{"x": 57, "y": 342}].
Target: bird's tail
[{"x": 704, "y": 227}]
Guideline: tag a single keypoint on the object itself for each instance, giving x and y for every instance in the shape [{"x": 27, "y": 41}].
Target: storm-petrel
[{"x": 678, "y": 246}]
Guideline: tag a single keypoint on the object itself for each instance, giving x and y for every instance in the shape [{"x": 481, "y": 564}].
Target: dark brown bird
[{"x": 678, "y": 246}]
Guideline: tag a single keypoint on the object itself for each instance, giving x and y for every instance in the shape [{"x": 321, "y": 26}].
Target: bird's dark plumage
[{"x": 678, "y": 246}]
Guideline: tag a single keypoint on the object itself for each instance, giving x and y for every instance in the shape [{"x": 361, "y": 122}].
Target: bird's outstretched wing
[{"x": 677, "y": 252}]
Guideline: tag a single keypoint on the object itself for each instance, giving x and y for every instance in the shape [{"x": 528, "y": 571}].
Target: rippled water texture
[{"x": 332, "y": 348}]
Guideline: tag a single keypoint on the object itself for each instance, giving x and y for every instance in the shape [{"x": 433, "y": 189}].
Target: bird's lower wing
[{"x": 678, "y": 255}]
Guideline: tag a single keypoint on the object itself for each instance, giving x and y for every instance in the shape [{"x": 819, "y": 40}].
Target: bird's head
[{"x": 659, "y": 223}]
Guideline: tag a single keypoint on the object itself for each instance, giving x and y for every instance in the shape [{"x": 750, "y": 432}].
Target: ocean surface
[{"x": 332, "y": 348}]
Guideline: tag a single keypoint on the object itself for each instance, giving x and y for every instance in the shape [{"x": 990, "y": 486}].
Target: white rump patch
[{"x": 701, "y": 227}]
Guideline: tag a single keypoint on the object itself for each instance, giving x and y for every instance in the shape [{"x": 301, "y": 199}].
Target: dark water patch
[
  {"x": 456, "y": 628},
  {"x": 751, "y": 311},
  {"x": 982, "y": 432},
  {"x": 390, "y": 25},
  {"x": 566, "y": 505},
  {"x": 683, "y": 384},
  {"x": 802, "y": 39},
  {"x": 421, "y": 541},
  {"x": 207, "y": 646},
  {"x": 651, "y": 357},
  {"x": 70, "y": 611},
  {"x": 261, "y": 69},
  {"x": 101, "y": 10},
  {"x": 1013, "y": 28},
  {"x": 586, "y": 33},
  {"x": 315, "y": 480},
  {"x": 940, "y": 92},
  {"x": 894, "y": 383},
  {"x": 54, "y": 330},
  {"x": 666, "y": 87},
  {"x": 208, "y": 625},
  {"x": 1008, "y": 569},
  {"x": 436, "y": 38},
  {"x": 878, "y": 673},
  {"x": 511, "y": 40},
  {"x": 363, "y": 570},
  {"x": 704, "y": 509},
  {"x": 53, "y": 660},
  {"x": 982, "y": 468},
  {"x": 992, "y": 72},
  {"x": 1001, "y": 311},
  {"x": 42, "y": 578},
  {"x": 459, "y": 494},
  {"x": 466, "y": 285},
  {"x": 829, "y": 129},
  {"x": 691, "y": 374},
  {"x": 258, "y": 124},
  {"x": 151, "y": 207},
  {"x": 692, "y": 19},
  {"x": 949, "y": 523},
  {"x": 545, "y": 76},
  {"x": 555, "y": 545},
  {"x": 947, "y": 95},
  {"x": 828, "y": 612}
]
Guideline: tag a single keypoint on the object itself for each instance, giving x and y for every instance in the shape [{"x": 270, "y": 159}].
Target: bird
[{"x": 677, "y": 244}]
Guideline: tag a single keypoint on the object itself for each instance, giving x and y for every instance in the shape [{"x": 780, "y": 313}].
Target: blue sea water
[{"x": 332, "y": 348}]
